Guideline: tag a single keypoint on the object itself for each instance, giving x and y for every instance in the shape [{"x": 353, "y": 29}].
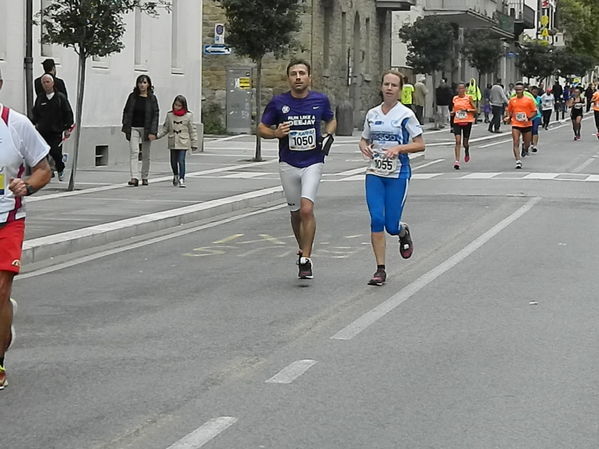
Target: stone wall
[{"x": 346, "y": 41}]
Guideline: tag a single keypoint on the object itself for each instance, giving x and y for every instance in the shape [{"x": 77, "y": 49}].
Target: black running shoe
[
  {"x": 406, "y": 247},
  {"x": 378, "y": 278},
  {"x": 305, "y": 268}
]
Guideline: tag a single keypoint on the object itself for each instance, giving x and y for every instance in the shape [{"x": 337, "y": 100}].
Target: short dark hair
[
  {"x": 298, "y": 62},
  {"x": 48, "y": 64}
]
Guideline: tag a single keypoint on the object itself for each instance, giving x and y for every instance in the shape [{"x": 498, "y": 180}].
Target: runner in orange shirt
[
  {"x": 595, "y": 101},
  {"x": 520, "y": 111},
  {"x": 463, "y": 111}
]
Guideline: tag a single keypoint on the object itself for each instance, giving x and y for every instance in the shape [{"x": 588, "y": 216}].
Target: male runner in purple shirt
[{"x": 295, "y": 118}]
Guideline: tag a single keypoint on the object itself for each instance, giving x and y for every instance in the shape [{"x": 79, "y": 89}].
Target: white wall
[{"x": 110, "y": 80}]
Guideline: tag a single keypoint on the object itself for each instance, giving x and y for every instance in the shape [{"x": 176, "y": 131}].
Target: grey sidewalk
[{"x": 220, "y": 180}]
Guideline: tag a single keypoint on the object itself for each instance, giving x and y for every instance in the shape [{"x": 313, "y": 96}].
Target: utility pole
[{"x": 28, "y": 62}]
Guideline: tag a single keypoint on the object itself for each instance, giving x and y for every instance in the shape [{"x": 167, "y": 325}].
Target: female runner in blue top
[{"x": 391, "y": 132}]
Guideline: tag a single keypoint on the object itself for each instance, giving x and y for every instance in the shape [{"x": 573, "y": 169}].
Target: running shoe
[
  {"x": 518, "y": 164},
  {"x": 175, "y": 181},
  {"x": 144, "y": 182},
  {"x": 182, "y": 183},
  {"x": 406, "y": 247},
  {"x": 61, "y": 176},
  {"x": 524, "y": 152},
  {"x": 466, "y": 154},
  {"x": 3, "y": 381},
  {"x": 13, "y": 335},
  {"x": 305, "y": 268},
  {"x": 378, "y": 278},
  {"x": 533, "y": 149},
  {"x": 456, "y": 165}
]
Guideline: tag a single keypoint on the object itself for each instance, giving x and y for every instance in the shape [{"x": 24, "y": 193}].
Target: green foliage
[
  {"x": 212, "y": 114},
  {"x": 91, "y": 27},
  {"x": 483, "y": 50},
  {"x": 430, "y": 42},
  {"x": 258, "y": 27},
  {"x": 577, "y": 18},
  {"x": 536, "y": 60},
  {"x": 568, "y": 63}
]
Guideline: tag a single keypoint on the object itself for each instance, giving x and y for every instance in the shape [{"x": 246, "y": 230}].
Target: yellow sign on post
[
  {"x": 244, "y": 83},
  {"x": 545, "y": 32},
  {"x": 544, "y": 20}
]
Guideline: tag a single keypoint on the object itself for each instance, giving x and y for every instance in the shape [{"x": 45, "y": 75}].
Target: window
[
  {"x": 175, "y": 35},
  {"x": 46, "y": 49},
  {"x": 137, "y": 59}
]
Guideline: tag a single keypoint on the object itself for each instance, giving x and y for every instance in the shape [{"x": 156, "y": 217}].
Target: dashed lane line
[
  {"x": 205, "y": 433},
  {"x": 291, "y": 372}
]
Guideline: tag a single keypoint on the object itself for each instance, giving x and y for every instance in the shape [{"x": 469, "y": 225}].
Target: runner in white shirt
[
  {"x": 20, "y": 145},
  {"x": 391, "y": 132}
]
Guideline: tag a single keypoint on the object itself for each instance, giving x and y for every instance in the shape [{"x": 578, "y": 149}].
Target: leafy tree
[
  {"x": 577, "y": 18},
  {"x": 429, "y": 41},
  {"x": 536, "y": 60},
  {"x": 91, "y": 28},
  {"x": 482, "y": 48},
  {"x": 258, "y": 27},
  {"x": 567, "y": 62}
]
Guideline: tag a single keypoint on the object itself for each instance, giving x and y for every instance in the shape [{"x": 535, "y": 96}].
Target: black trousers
[
  {"x": 547, "y": 117},
  {"x": 55, "y": 142},
  {"x": 497, "y": 116},
  {"x": 419, "y": 111}
]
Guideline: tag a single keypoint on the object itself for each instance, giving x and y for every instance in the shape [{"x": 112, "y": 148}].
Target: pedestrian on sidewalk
[
  {"x": 140, "y": 125},
  {"x": 536, "y": 122},
  {"x": 52, "y": 116},
  {"x": 391, "y": 133},
  {"x": 407, "y": 94},
  {"x": 558, "y": 94},
  {"x": 444, "y": 94},
  {"x": 182, "y": 136},
  {"x": 50, "y": 67},
  {"x": 498, "y": 100},
  {"x": 588, "y": 93},
  {"x": 419, "y": 98},
  {"x": 20, "y": 145},
  {"x": 463, "y": 112}
]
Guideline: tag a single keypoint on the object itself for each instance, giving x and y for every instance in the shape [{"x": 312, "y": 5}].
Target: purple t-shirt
[{"x": 302, "y": 147}]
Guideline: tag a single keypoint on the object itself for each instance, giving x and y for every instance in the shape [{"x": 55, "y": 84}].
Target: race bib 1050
[{"x": 302, "y": 140}]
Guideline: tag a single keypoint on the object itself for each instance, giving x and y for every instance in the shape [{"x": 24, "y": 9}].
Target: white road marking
[
  {"x": 480, "y": 175},
  {"x": 541, "y": 176},
  {"x": 593, "y": 178},
  {"x": 163, "y": 238},
  {"x": 245, "y": 175},
  {"x": 427, "y": 164},
  {"x": 425, "y": 175},
  {"x": 495, "y": 143},
  {"x": 204, "y": 433},
  {"x": 407, "y": 292},
  {"x": 586, "y": 163},
  {"x": 291, "y": 372}
]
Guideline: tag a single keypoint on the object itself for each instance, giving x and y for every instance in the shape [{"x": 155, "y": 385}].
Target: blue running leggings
[{"x": 385, "y": 198}]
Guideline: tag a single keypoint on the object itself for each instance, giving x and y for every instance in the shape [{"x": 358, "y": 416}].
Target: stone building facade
[{"x": 347, "y": 43}]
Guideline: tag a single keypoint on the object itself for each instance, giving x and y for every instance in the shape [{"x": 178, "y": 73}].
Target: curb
[{"x": 43, "y": 248}]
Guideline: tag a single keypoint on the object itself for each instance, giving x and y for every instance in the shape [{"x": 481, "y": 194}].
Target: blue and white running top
[{"x": 398, "y": 127}]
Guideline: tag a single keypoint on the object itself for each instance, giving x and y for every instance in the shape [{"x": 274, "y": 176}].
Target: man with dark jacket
[
  {"x": 52, "y": 115},
  {"x": 443, "y": 96},
  {"x": 50, "y": 67}
]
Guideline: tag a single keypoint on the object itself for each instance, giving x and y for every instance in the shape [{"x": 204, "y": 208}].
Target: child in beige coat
[{"x": 182, "y": 136}]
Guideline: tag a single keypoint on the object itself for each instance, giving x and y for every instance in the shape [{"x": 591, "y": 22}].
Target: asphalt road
[{"x": 203, "y": 337}]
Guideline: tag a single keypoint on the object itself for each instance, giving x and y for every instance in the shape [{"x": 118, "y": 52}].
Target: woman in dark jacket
[
  {"x": 140, "y": 125},
  {"x": 52, "y": 115}
]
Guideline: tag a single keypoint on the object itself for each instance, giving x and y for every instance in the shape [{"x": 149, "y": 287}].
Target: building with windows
[
  {"x": 166, "y": 48},
  {"x": 347, "y": 42}
]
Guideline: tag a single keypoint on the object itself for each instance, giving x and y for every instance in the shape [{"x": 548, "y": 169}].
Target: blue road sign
[{"x": 216, "y": 49}]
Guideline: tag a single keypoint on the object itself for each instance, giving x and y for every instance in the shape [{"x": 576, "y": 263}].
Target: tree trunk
[
  {"x": 258, "y": 155},
  {"x": 78, "y": 114}
]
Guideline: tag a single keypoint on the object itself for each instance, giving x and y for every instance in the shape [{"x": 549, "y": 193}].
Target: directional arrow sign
[{"x": 216, "y": 49}]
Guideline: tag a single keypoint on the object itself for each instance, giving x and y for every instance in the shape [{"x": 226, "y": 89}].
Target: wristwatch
[{"x": 30, "y": 190}]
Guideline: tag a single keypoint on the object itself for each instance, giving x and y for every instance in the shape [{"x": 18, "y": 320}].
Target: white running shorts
[{"x": 300, "y": 183}]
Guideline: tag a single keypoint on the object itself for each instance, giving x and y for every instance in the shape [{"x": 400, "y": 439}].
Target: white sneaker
[
  {"x": 182, "y": 183},
  {"x": 518, "y": 164}
]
